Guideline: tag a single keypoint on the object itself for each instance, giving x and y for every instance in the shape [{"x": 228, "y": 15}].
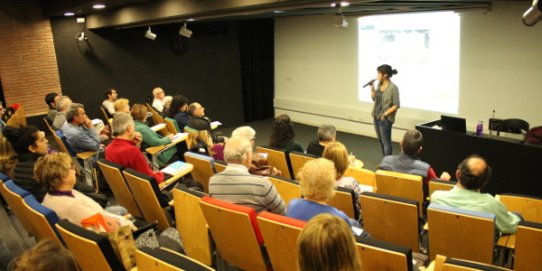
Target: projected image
[{"x": 424, "y": 48}]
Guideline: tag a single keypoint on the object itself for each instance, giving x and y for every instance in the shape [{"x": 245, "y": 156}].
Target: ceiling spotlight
[
  {"x": 185, "y": 32},
  {"x": 340, "y": 21},
  {"x": 98, "y": 6},
  {"x": 81, "y": 36},
  {"x": 533, "y": 14},
  {"x": 69, "y": 13},
  {"x": 150, "y": 35}
]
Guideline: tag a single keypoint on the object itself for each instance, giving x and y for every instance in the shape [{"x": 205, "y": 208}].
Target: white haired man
[{"x": 235, "y": 184}]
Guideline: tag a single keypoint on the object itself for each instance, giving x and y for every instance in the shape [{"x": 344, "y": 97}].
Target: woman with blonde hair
[
  {"x": 336, "y": 152},
  {"x": 202, "y": 143},
  {"x": 317, "y": 182},
  {"x": 122, "y": 105},
  {"x": 326, "y": 243}
]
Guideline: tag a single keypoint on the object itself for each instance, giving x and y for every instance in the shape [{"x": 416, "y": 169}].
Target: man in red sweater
[{"x": 124, "y": 149}]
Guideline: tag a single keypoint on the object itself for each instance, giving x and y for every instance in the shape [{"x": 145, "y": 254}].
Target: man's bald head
[{"x": 473, "y": 173}]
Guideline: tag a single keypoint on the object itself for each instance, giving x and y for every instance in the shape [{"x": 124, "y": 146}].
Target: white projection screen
[{"x": 423, "y": 47}]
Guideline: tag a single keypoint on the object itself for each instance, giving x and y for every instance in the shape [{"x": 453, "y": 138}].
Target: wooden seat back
[
  {"x": 14, "y": 197},
  {"x": 149, "y": 198},
  {"x": 276, "y": 158},
  {"x": 287, "y": 189},
  {"x": 171, "y": 125},
  {"x": 391, "y": 219},
  {"x": 345, "y": 200},
  {"x": 460, "y": 233},
  {"x": 297, "y": 160},
  {"x": 529, "y": 207},
  {"x": 90, "y": 250},
  {"x": 235, "y": 232},
  {"x": 158, "y": 259},
  {"x": 379, "y": 255},
  {"x": 191, "y": 224},
  {"x": 113, "y": 176},
  {"x": 400, "y": 185},
  {"x": 528, "y": 246},
  {"x": 362, "y": 175},
  {"x": 157, "y": 119},
  {"x": 220, "y": 166},
  {"x": 203, "y": 168},
  {"x": 280, "y": 235}
]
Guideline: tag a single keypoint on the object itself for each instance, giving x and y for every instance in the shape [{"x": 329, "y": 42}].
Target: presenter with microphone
[{"x": 386, "y": 98}]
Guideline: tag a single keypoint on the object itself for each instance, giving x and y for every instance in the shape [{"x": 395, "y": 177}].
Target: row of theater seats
[{"x": 393, "y": 215}]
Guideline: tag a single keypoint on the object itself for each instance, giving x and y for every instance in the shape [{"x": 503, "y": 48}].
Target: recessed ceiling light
[
  {"x": 278, "y": 11},
  {"x": 191, "y": 20},
  {"x": 345, "y": 4},
  {"x": 98, "y": 6},
  {"x": 68, "y": 14}
]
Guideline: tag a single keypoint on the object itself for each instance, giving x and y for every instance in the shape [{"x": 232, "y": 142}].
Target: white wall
[{"x": 500, "y": 69}]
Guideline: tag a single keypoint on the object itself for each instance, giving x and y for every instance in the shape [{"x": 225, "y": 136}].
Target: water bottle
[{"x": 479, "y": 128}]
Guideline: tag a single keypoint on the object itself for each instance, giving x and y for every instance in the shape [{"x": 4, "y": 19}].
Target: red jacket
[{"x": 127, "y": 154}]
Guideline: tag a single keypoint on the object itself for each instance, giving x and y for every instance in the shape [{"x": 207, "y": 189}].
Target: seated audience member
[
  {"x": 178, "y": 111},
  {"x": 51, "y": 100},
  {"x": 3, "y": 124},
  {"x": 326, "y": 243},
  {"x": 124, "y": 149},
  {"x": 122, "y": 105},
  {"x": 158, "y": 102},
  {"x": 283, "y": 135},
  {"x": 46, "y": 255},
  {"x": 202, "y": 143},
  {"x": 235, "y": 184},
  {"x": 79, "y": 130},
  {"x": 56, "y": 173},
  {"x": 30, "y": 144},
  {"x": 317, "y": 181},
  {"x": 198, "y": 120},
  {"x": 326, "y": 135},
  {"x": 408, "y": 162},
  {"x": 473, "y": 174},
  {"x": 108, "y": 103},
  {"x": 259, "y": 162},
  {"x": 151, "y": 138},
  {"x": 336, "y": 152},
  {"x": 8, "y": 157},
  {"x": 63, "y": 106}
]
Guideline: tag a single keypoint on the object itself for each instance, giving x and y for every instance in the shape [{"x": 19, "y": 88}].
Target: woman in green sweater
[{"x": 150, "y": 137}]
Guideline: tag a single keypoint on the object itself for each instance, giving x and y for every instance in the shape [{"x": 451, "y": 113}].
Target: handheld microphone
[{"x": 369, "y": 83}]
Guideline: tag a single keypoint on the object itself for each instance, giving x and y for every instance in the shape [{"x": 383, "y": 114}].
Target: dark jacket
[
  {"x": 182, "y": 119},
  {"x": 200, "y": 123},
  {"x": 24, "y": 175}
]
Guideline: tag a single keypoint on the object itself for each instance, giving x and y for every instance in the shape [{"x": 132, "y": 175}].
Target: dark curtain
[{"x": 256, "y": 46}]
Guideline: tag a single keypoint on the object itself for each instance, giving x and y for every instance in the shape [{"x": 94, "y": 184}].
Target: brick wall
[{"x": 28, "y": 66}]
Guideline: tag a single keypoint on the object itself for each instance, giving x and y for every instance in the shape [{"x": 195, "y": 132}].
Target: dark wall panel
[{"x": 208, "y": 72}]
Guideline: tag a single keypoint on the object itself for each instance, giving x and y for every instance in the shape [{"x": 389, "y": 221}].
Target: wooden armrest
[
  {"x": 511, "y": 244},
  {"x": 187, "y": 169},
  {"x": 154, "y": 150},
  {"x": 86, "y": 155},
  {"x": 158, "y": 127},
  {"x": 503, "y": 240},
  {"x": 171, "y": 202}
]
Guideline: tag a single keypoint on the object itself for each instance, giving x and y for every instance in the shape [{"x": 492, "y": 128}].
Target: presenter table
[{"x": 516, "y": 167}]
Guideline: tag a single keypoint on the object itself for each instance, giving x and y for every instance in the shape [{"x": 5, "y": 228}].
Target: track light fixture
[
  {"x": 81, "y": 35},
  {"x": 150, "y": 35},
  {"x": 533, "y": 14},
  {"x": 340, "y": 21},
  {"x": 185, "y": 32}
]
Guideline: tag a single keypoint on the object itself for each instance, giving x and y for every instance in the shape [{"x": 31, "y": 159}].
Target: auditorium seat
[
  {"x": 380, "y": 255},
  {"x": 287, "y": 189},
  {"x": 204, "y": 168},
  {"x": 400, "y": 185},
  {"x": 236, "y": 233},
  {"x": 192, "y": 225},
  {"x": 297, "y": 160},
  {"x": 528, "y": 246},
  {"x": 277, "y": 158},
  {"x": 391, "y": 219},
  {"x": 529, "y": 207},
  {"x": 159, "y": 259},
  {"x": 460, "y": 233},
  {"x": 280, "y": 235},
  {"x": 149, "y": 198}
]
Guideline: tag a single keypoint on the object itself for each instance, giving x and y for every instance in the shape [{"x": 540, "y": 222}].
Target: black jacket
[{"x": 24, "y": 175}]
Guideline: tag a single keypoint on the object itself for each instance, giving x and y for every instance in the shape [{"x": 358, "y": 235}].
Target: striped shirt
[{"x": 236, "y": 185}]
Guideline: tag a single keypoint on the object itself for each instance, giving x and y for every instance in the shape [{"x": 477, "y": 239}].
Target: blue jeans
[{"x": 383, "y": 133}]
